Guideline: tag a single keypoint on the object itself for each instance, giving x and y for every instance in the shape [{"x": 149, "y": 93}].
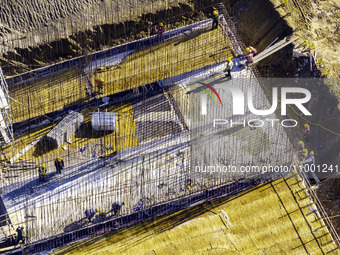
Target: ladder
[{"x": 88, "y": 84}]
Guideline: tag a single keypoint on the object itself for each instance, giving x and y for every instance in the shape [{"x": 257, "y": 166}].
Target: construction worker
[
  {"x": 59, "y": 165},
  {"x": 303, "y": 154},
  {"x": 229, "y": 67},
  {"x": 310, "y": 158},
  {"x": 251, "y": 52},
  {"x": 117, "y": 206},
  {"x": 20, "y": 234},
  {"x": 100, "y": 85},
  {"x": 251, "y": 49},
  {"x": 215, "y": 19},
  {"x": 301, "y": 146},
  {"x": 160, "y": 30},
  {"x": 306, "y": 131},
  {"x": 102, "y": 214},
  {"x": 42, "y": 173},
  {"x": 90, "y": 213}
]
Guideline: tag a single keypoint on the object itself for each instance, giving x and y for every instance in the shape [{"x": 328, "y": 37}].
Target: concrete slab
[{"x": 160, "y": 168}]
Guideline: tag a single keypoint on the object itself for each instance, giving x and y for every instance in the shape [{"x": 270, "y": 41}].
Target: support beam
[{"x": 277, "y": 46}]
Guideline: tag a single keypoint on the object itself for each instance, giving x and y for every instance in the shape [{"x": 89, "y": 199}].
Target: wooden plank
[{"x": 272, "y": 50}]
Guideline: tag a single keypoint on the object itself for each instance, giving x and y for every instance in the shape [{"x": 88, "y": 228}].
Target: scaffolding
[{"x": 5, "y": 113}]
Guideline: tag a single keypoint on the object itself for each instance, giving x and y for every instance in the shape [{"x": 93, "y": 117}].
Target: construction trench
[{"x": 146, "y": 160}]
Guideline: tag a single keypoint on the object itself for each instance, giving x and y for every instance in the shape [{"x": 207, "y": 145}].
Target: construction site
[{"x": 100, "y": 106}]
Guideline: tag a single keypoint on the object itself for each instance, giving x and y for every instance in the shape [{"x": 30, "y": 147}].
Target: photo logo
[
  {"x": 238, "y": 99},
  {"x": 204, "y": 98}
]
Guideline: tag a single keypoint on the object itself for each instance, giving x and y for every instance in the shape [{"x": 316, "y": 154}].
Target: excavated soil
[{"x": 67, "y": 38}]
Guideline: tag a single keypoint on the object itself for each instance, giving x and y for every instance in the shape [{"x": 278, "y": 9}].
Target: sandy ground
[
  {"x": 26, "y": 23},
  {"x": 20, "y": 16},
  {"x": 317, "y": 23}
]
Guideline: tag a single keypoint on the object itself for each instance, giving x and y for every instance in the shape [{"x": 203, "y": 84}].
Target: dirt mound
[
  {"x": 98, "y": 37},
  {"x": 24, "y": 15}
]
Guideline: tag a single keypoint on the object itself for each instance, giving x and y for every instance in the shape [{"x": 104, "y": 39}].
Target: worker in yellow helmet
[
  {"x": 310, "y": 158},
  {"x": 42, "y": 173},
  {"x": 214, "y": 19},
  {"x": 251, "y": 52},
  {"x": 20, "y": 234},
  {"x": 160, "y": 30},
  {"x": 102, "y": 214},
  {"x": 59, "y": 165},
  {"x": 251, "y": 49},
  {"x": 100, "y": 85},
  {"x": 117, "y": 206},
  {"x": 90, "y": 213},
  {"x": 304, "y": 153},
  {"x": 301, "y": 146},
  {"x": 306, "y": 131},
  {"x": 229, "y": 67}
]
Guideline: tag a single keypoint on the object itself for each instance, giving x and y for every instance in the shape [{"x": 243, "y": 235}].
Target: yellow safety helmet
[
  {"x": 42, "y": 165},
  {"x": 97, "y": 209},
  {"x": 248, "y": 49},
  {"x": 22, "y": 226},
  {"x": 124, "y": 203},
  {"x": 101, "y": 80},
  {"x": 304, "y": 150},
  {"x": 59, "y": 159},
  {"x": 311, "y": 153},
  {"x": 228, "y": 59},
  {"x": 306, "y": 126},
  {"x": 300, "y": 142},
  {"x": 215, "y": 12},
  {"x": 161, "y": 24}
]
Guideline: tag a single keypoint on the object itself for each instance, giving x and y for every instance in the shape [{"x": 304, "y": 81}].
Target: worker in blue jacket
[{"x": 90, "y": 213}]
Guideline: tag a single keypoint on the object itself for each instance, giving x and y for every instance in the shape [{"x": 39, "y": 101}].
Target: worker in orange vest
[{"x": 251, "y": 52}]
